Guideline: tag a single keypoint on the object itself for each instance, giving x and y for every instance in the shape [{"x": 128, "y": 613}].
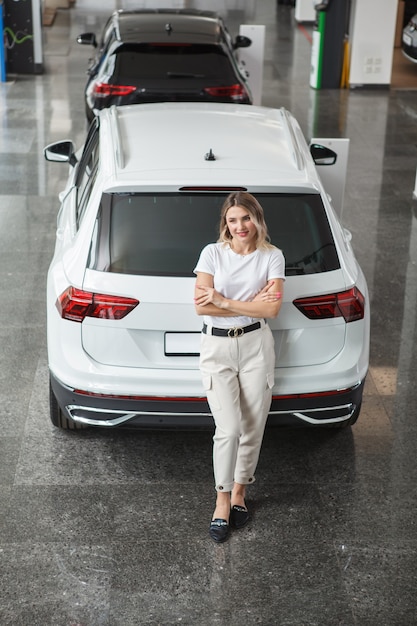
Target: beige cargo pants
[{"x": 238, "y": 376}]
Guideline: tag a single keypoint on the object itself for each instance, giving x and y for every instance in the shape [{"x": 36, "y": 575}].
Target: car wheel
[{"x": 57, "y": 416}]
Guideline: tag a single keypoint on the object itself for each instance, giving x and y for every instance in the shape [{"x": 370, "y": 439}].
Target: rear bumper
[
  {"x": 334, "y": 407},
  {"x": 96, "y": 105}
]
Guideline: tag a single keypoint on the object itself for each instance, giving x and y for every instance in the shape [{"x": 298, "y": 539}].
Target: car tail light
[
  {"x": 348, "y": 304},
  {"x": 75, "y": 304},
  {"x": 102, "y": 90},
  {"x": 236, "y": 92},
  {"x": 311, "y": 394}
]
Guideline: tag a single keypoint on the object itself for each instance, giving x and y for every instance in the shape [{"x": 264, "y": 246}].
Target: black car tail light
[
  {"x": 236, "y": 92},
  {"x": 347, "y": 304},
  {"x": 102, "y": 90},
  {"x": 75, "y": 305}
]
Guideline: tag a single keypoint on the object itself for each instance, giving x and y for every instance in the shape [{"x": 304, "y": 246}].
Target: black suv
[{"x": 159, "y": 55}]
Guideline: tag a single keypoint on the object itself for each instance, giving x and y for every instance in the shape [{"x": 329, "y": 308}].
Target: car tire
[{"x": 57, "y": 416}]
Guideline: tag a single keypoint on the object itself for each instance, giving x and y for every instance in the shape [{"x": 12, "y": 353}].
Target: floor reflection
[{"x": 111, "y": 529}]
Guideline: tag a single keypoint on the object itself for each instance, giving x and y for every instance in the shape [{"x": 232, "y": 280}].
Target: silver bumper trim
[
  {"x": 78, "y": 414},
  {"x": 124, "y": 416},
  {"x": 349, "y": 408}
]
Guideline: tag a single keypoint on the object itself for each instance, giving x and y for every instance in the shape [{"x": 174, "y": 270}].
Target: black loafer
[
  {"x": 219, "y": 530},
  {"x": 239, "y": 516}
]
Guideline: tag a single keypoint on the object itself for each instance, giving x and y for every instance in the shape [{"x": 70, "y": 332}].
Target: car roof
[
  {"x": 176, "y": 25},
  {"x": 165, "y": 145}
]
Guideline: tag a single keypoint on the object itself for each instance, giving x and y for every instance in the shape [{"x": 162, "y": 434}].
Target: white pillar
[
  {"x": 371, "y": 40},
  {"x": 37, "y": 36}
]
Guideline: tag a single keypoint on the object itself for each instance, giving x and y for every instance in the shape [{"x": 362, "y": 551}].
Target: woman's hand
[
  {"x": 265, "y": 295},
  {"x": 266, "y": 303},
  {"x": 208, "y": 295}
]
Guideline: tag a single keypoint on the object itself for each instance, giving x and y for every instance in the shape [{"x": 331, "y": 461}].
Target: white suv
[{"x": 142, "y": 199}]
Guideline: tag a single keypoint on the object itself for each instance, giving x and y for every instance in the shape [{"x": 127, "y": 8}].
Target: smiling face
[{"x": 243, "y": 230}]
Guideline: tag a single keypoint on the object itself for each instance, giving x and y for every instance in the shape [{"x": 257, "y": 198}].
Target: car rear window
[
  {"x": 170, "y": 61},
  {"x": 162, "y": 235}
]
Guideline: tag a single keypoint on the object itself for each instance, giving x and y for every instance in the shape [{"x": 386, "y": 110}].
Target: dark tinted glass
[
  {"x": 156, "y": 61},
  {"x": 162, "y": 235}
]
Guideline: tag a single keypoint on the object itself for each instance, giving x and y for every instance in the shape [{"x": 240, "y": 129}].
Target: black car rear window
[
  {"x": 156, "y": 61},
  {"x": 162, "y": 235}
]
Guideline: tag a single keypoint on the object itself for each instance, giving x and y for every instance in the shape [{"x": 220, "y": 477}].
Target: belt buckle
[{"x": 235, "y": 332}]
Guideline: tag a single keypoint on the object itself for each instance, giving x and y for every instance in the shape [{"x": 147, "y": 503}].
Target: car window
[
  {"x": 109, "y": 35},
  {"x": 87, "y": 171},
  {"x": 226, "y": 35},
  {"x": 162, "y": 235},
  {"x": 161, "y": 61}
]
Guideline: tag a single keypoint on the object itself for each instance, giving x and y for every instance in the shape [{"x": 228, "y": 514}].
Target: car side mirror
[
  {"x": 242, "y": 41},
  {"x": 87, "y": 39},
  {"x": 61, "y": 152},
  {"x": 322, "y": 155}
]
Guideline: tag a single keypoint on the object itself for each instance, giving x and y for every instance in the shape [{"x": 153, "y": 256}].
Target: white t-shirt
[{"x": 239, "y": 277}]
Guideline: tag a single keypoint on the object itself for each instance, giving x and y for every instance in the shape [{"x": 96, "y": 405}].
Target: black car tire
[{"x": 57, "y": 416}]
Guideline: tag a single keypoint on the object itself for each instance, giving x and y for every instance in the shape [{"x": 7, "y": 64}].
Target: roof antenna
[
  {"x": 168, "y": 28},
  {"x": 209, "y": 156}
]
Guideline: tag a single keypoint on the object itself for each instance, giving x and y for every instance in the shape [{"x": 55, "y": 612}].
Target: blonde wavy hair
[{"x": 248, "y": 202}]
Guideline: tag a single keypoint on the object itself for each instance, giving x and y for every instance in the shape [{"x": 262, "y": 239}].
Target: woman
[{"x": 239, "y": 284}]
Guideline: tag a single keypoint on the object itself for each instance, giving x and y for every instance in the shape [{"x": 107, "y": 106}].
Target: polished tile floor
[{"x": 110, "y": 528}]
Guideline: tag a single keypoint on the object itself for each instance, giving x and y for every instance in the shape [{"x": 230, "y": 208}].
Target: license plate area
[{"x": 182, "y": 344}]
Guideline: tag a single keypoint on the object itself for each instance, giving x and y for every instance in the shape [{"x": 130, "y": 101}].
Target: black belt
[{"x": 232, "y": 332}]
